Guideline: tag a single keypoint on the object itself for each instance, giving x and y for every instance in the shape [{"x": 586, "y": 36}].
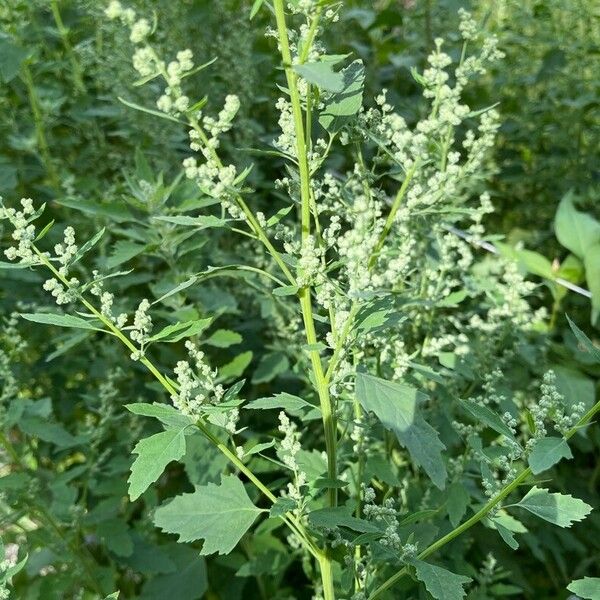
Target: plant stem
[
  {"x": 38, "y": 121},
  {"x": 481, "y": 513},
  {"x": 327, "y": 577},
  {"x": 64, "y": 36},
  {"x": 304, "y": 294}
]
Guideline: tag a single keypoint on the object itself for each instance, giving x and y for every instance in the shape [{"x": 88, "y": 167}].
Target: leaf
[
  {"x": 489, "y": 417},
  {"x": 342, "y": 106},
  {"x": 507, "y": 526},
  {"x": 584, "y": 341},
  {"x": 282, "y": 506},
  {"x": 561, "y": 509},
  {"x": 587, "y": 588},
  {"x": 165, "y": 413},
  {"x": 288, "y": 402},
  {"x": 113, "y": 210},
  {"x": 150, "y": 111},
  {"x": 440, "y": 583},
  {"x": 88, "y": 245},
  {"x": 122, "y": 251},
  {"x": 154, "y": 454},
  {"x": 47, "y": 431},
  {"x": 575, "y": 230},
  {"x": 237, "y": 366},
  {"x": 178, "y": 288},
  {"x": 457, "y": 502},
  {"x": 396, "y": 406},
  {"x": 270, "y": 366},
  {"x": 255, "y": 8},
  {"x": 218, "y": 514},
  {"x": 202, "y": 221},
  {"x": 547, "y": 452},
  {"x": 339, "y": 516},
  {"x": 179, "y": 331},
  {"x": 321, "y": 73},
  {"x": 188, "y": 581},
  {"x": 59, "y": 320},
  {"x": 591, "y": 261},
  {"x": 11, "y": 59},
  {"x": 223, "y": 338}
]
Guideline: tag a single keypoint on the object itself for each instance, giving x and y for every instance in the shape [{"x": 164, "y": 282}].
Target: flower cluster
[
  {"x": 287, "y": 452},
  {"x": 141, "y": 329},
  {"x": 197, "y": 385},
  {"x": 24, "y": 231}
]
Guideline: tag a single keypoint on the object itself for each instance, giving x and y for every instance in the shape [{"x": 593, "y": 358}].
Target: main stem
[
  {"x": 329, "y": 425},
  {"x": 304, "y": 293}
]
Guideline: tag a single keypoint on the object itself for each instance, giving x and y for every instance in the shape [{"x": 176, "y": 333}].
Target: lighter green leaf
[
  {"x": 342, "y": 106},
  {"x": 202, "y": 221},
  {"x": 561, "y": 509},
  {"x": 584, "y": 341},
  {"x": 237, "y": 366},
  {"x": 547, "y": 452},
  {"x": 154, "y": 454},
  {"x": 575, "y": 230},
  {"x": 223, "y": 338},
  {"x": 591, "y": 260},
  {"x": 218, "y": 514},
  {"x": 321, "y": 73},
  {"x": 440, "y": 583},
  {"x": 122, "y": 251},
  {"x": 587, "y": 588},
  {"x": 396, "y": 406},
  {"x": 165, "y": 413},
  {"x": 270, "y": 366},
  {"x": 179, "y": 331},
  {"x": 59, "y": 320}
]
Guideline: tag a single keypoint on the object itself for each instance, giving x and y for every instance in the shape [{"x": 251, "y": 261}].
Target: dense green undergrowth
[{"x": 299, "y": 299}]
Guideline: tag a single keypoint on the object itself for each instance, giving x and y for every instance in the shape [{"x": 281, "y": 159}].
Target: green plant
[{"x": 417, "y": 389}]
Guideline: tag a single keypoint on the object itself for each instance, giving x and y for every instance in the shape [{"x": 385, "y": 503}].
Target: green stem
[
  {"x": 38, "y": 121},
  {"x": 64, "y": 36},
  {"x": 483, "y": 512},
  {"x": 325, "y": 564},
  {"x": 304, "y": 294}
]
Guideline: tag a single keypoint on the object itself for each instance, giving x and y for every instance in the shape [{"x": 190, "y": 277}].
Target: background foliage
[{"x": 67, "y": 140}]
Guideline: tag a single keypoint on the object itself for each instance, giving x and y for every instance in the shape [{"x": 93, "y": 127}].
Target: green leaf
[
  {"x": 340, "y": 516},
  {"x": 11, "y": 59},
  {"x": 154, "y": 454},
  {"x": 457, "y": 502},
  {"x": 489, "y": 417},
  {"x": 440, "y": 583},
  {"x": 186, "y": 581},
  {"x": 116, "y": 537},
  {"x": 507, "y": 526},
  {"x": 591, "y": 261},
  {"x": 59, "y": 320},
  {"x": 587, "y": 588},
  {"x": 575, "y": 230},
  {"x": 584, "y": 341},
  {"x": 202, "y": 221},
  {"x": 282, "y": 506},
  {"x": 237, "y": 366},
  {"x": 47, "y": 431},
  {"x": 288, "y": 402},
  {"x": 122, "y": 251},
  {"x": 396, "y": 406},
  {"x": 561, "y": 509},
  {"x": 344, "y": 105},
  {"x": 223, "y": 338},
  {"x": 179, "y": 331},
  {"x": 218, "y": 514},
  {"x": 270, "y": 366},
  {"x": 150, "y": 111},
  {"x": 88, "y": 245},
  {"x": 165, "y": 413},
  {"x": 547, "y": 452},
  {"x": 321, "y": 73},
  {"x": 255, "y": 8}
]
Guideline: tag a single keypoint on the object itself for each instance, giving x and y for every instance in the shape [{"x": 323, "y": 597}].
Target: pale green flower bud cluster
[
  {"x": 141, "y": 329},
  {"x": 197, "y": 386},
  {"x": 24, "y": 231},
  {"x": 288, "y": 449}
]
